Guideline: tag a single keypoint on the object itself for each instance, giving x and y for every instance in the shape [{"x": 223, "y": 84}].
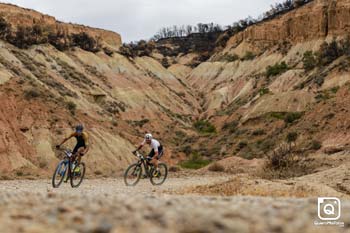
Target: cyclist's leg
[
  {"x": 154, "y": 158},
  {"x": 160, "y": 152},
  {"x": 72, "y": 159},
  {"x": 157, "y": 158},
  {"x": 79, "y": 154},
  {"x": 155, "y": 161}
]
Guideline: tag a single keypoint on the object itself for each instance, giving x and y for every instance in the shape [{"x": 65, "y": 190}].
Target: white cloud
[{"x": 140, "y": 19}]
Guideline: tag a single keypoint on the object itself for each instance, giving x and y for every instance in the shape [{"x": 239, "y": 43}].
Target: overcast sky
[{"x": 141, "y": 19}]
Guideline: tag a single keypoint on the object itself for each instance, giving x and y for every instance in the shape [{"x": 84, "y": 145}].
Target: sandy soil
[{"x": 107, "y": 205}]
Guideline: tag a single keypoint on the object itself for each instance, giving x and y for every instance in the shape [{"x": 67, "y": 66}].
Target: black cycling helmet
[{"x": 79, "y": 128}]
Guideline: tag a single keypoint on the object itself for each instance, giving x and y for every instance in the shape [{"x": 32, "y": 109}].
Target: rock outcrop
[
  {"x": 17, "y": 16},
  {"x": 318, "y": 19}
]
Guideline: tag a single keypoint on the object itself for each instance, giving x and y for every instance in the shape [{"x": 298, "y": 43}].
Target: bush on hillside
[
  {"x": 230, "y": 126},
  {"x": 195, "y": 162},
  {"x": 328, "y": 53},
  {"x": 31, "y": 94},
  {"x": 277, "y": 69},
  {"x": 291, "y": 137},
  {"x": 309, "y": 60},
  {"x": 85, "y": 42},
  {"x": 315, "y": 145},
  {"x": 5, "y": 28},
  {"x": 284, "y": 163},
  {"x": 242, "y": 144},
  {"x": 292, "y": 117},
  {"x": 72, "y": 107},
  {"x": 229, "y": 58},
  {"x": 204, "y": 126},
  {"x": 248, "y": 56},
  {"x": 264, "y": 91},
  {"x": 258, "y": 132},
  {"x": 165, "y": 63}
]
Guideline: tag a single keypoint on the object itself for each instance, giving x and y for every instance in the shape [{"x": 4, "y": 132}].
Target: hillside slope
[
  {"x": 46, "y": 91},
  {"x": 262, "y": 77},
  {"x": 283, "y": 75}
]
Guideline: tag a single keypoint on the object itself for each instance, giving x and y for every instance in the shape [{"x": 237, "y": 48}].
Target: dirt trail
[{"x": 107, "y": 205}]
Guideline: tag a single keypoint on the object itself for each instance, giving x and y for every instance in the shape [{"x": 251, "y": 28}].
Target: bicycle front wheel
[
  {"x": 132, "y": 174},
  {"x": 158, "y": 178},
  {"x": 77, "y": 175},
  {"x": 59, "y": 174}
]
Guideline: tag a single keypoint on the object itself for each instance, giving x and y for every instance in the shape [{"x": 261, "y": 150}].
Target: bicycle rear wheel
[
  {"x": 159, "y": 179},
  {"x": 77, "y": 175},
  {"x": 132, "y": 174},
  {"x": 59, "y": 174}
]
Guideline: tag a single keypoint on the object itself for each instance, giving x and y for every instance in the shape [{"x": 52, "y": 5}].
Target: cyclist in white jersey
[{"x": 157, "y": 149}]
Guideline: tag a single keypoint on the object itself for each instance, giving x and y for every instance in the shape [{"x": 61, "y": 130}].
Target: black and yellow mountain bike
[{"x": 134, "y": 172}]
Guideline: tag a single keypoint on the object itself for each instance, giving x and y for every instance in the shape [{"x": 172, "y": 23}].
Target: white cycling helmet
[{"x": 148, "y": 136}]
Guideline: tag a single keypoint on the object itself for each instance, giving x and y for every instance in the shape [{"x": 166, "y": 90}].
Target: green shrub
[
  {"x": 19, "y": 173},
  {"x": 266, "y": 145},
  {"x": 230, "y": 126},
  {"x": 204, "y": 126},
  {"x": 291, "y": 137},
  {"x": 277, "y": 69},
  {"x": 322, "y": 96},
  {"x": 329, "y": 52},
  {"x": 278, "y": 115},
  {"x": 316, "y": 145},
  {"x": 242, "y": 144},
  {"x": 165, "y": 63},
  {"x": 229, "y": 58},
  {"x": 72, "y": 107},
  {"x": 258, "y": 132},
  {"x": 31, "y": 94},
  {"x": 292, "y": 116},
  {"x": 309, "y": 60},
  {"x": 85, "y": 42},
  {"x": 264, "y": 91},
  {"x": 141, "y": 122},
  {"x": 334, "y": 90},
  {"x": 248, "y": 56},
  {"x": 195, "y": 162},
  {"x": 5, "y": 28}
]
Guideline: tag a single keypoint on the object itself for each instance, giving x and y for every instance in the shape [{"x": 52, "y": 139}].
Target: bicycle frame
[
  {"x": 145, "y": 162},
  {"x": 68, "y": 160}
]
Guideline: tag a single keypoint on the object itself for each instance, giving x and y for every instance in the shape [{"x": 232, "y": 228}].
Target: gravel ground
[{"x": 107, "y": 205}]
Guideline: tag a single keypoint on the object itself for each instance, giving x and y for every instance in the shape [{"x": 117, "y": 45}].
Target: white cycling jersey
[{"x": 154, "y": 144}]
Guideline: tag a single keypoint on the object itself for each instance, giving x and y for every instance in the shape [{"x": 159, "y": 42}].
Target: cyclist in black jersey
[{"x": 82, "y": 146}]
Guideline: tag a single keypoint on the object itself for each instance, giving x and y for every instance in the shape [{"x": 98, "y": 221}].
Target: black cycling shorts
[
  {"x": 76, "y": 148},
  {"x": 160, "y": 152}
]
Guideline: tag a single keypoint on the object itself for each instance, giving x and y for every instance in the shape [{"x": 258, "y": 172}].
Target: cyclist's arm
[
  {"x": 67, "y": 138},
  {"x": 141, "y": 145}
]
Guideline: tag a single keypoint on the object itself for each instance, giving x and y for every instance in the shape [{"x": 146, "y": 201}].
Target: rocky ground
[{"x": 107, "y": 205}]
